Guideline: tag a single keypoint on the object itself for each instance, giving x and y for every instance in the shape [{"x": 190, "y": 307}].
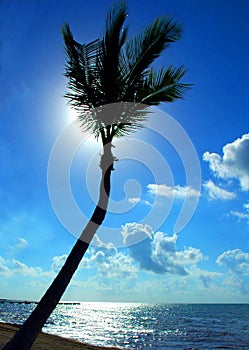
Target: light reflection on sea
[{"x": 145, "y": 326}]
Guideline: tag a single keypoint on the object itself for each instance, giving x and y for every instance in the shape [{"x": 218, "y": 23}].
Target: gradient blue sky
[{"x": 208, "y": 261}]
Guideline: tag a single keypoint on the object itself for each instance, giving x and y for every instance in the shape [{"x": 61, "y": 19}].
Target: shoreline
[{"x": 47, "y": 341}]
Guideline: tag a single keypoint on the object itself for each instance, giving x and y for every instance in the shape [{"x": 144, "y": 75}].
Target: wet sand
[{"x": 46, "y": 341}]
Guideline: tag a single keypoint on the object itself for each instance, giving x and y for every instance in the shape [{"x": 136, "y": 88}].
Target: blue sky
[{"x": 208, "y": 261}]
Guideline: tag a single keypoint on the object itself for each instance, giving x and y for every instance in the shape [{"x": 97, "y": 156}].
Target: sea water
[{"x": 144, "y": 326}]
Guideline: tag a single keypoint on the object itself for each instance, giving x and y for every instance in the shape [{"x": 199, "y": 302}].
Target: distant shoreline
[
  {"x": 47, "y": 341},
  {"x": 13, "y": 301}
]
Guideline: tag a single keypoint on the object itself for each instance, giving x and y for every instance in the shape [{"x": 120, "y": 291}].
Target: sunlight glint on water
[{"x": 145, "y": 326}]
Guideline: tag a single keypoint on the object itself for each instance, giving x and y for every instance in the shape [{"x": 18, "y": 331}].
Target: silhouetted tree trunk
[{"x": 26, "y": 335}]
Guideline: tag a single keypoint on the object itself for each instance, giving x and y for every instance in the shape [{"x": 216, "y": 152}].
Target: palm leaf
[
  {"x": 83, "y": 79},
  {"x": 111, "y": 45},
  {"x": 117, "y": 69},
  {"x": 163, "y": 85},
  {"x": 143, "y": 49}
]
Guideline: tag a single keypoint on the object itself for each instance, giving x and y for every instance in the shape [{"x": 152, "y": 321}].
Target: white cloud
[
  {"x": 108, "y": 247},
  {"x": 58, "y": 262},
  {"x": 158, "y": 253},
  {"x": 180, "y": 192},
  {"x": 237, "y": 263},
  {"x": 215, "y": 192},
  {"x": 19, "y": 268},
  {"x": 117, "y": 266},
  {"x": 134, "y": 200},
  {"x": 189, "y": 256},
  {"x": 4, "y": 270},
  {"x": 112, "y": 264},
  {"x": 241, "y": 215},
  {"x": 16, "y": 267},
  {"x": 133, "y": 233},
  {"x": 99, "y": 257},
  {"x": 147, "y": 203},
  {"x": 164, "y": 253},
  {"x": 235, "y": 260},
  {"x": 234, "y": 164},
  {"x": 236, "y": 283},
  {"x": 22, "y": 243}
]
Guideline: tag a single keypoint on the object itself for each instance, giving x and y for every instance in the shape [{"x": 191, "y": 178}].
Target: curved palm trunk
[{"x": 26, "y": 335}]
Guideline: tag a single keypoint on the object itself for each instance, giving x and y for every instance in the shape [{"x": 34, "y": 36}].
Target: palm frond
[
  {"x": 83, "y": 80},
  {"x": 111, "y": 46},
  {"x": 120, "y": 118},
  {"x": 117, "y": 70},
  {"x": 81, "y": 66},
  {"x": 163, "y": 86},
  {"x": 143, "y": 49}
]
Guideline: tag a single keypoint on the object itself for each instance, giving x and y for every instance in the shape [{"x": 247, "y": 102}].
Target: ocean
[{"x": 144, "y": 326}]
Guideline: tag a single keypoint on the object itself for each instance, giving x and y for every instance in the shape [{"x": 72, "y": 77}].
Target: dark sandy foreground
[{"x": 46, "y": 341}]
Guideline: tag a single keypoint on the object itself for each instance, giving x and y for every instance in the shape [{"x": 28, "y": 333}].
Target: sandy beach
[{"x": 46, "y": 341}]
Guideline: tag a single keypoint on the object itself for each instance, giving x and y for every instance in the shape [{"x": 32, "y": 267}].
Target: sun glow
[{"x": 91, "y": 141}]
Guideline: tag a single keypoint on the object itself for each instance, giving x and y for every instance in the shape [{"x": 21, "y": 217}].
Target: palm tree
[{"x": 112, "y": 69}]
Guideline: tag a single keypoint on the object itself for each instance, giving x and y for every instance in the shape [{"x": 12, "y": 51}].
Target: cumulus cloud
[
  {"x": 234, "y": 164},
  {"x": 215, "y": 192},
  {"x": 235, "y": 260},
  {"x": 108, "y": 247},
  {"x": 58, "y": 262},
  {"x": 14, "y": 267},
  {"x": 19, "y": 268},
  {"x": 116, "y": 266},
  {"x": 109, "y": 262},
  {"x": 157, "y": 252},
  {"x": 189, "y": 256},
  {"x": 237, "y": 263},
  {"x": 133, "y": 233},
  {"x": 179, "y": 192}
]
